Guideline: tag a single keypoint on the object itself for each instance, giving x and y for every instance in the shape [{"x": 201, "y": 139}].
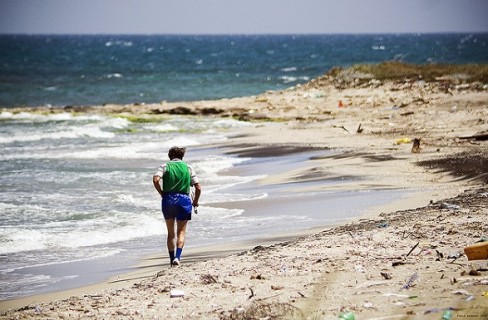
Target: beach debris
[
  {"x": 474, "y": 272},
  {"x": 386, "y": 275},
  {"x": 397, "y": 295},
  {"x": 38, "y": 309},
  {"x": 436, "y": 310},
  {"x": 410, "y": 283},
  {"x": 476, "y": 137},
  {"x": 397, "y": 263},
  {"x": 447, "y": 315},
  {"x": 359, "y": 268},
  {"x": 468, "y": 296},
  {"x": 454, "y": 255},
  {"x": 164, "y": 290},
  {"x": 416, "y": 145},
  {"x": 408, "y": 113},
  {"x": 252, "y": 294},
  {"x": 261, "y": 310},
  {"x": 175, "y": 293},
  {"x": 277, "y": 287},
  {"x": 439, "y": 255},
  {"x": 477, "y": 251},
  {"x": 461, "y": 292},
  {"x": 445, "y": 205},
  {"x": 341, "y": 104},
  {"x": 348, "y": 315},
  {"x": 359, "y": 129},
  {"x": 402, "y": 141},
  {"x": 207, "y": 279},
  {"x": 413, "y": 248},
  {"x": 382, "y": 225}
]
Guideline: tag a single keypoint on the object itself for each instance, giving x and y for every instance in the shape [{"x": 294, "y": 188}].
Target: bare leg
[
  {"x": 181, "y": 231},
  {"x": 170, "y": 225}
]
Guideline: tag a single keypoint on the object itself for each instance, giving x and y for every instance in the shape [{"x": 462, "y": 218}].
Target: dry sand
[{"x": 402, "y": 261}]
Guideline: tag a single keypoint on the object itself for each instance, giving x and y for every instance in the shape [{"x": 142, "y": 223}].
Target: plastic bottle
[
  {"x": 447, "y": 315},
  {"x": 347, "y": 316}
]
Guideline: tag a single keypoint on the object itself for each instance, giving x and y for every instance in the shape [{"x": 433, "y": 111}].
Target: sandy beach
[{"x": 405, "y": 260}]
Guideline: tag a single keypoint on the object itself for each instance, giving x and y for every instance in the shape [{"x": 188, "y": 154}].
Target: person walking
[{"x": 173, "y": 182}]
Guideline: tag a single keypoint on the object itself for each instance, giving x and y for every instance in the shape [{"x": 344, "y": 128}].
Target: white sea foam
[
  {"x": 79, "y": 233},
  {"x": 119, "y": 43},
  {"x": 116, "y": 123},
  {"x": 21, "y": 239},
  {"x": 150, "y": 150},
  {"x": 114, "y": 75},
  {"x": 61, "y": 116},
  {"x": 162, "y": 128},
  {"x": 70, "y": 133},
  {"x": 289, "y": 69},
  {"x": 289, "y": 79}
]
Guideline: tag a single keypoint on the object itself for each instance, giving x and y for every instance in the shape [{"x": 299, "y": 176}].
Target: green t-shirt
[{"x": 177, "y": 177}]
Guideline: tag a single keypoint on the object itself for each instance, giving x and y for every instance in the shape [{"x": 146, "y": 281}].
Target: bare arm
[
  {"x": 198, "y": 191},
  {"x": 157, "y": 184}
]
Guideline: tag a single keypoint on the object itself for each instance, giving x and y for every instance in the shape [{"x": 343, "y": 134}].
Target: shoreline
[
  {"x": 149, "y": 266},
  {"x": 131, "y": 272},
  {"x": 362, "y": 265}
]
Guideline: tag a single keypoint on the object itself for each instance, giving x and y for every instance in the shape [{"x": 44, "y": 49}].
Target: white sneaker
[{"x": 176, "y": 262}]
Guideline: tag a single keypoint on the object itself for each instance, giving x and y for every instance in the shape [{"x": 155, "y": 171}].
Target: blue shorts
[{"x": 176, "y": 205}]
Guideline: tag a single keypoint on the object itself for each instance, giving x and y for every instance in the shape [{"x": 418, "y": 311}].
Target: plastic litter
[
  {"x": 402, "y": 140},
  {"x": 449, "y": 206},
  {"x": 410, "y": 281},
  {"x": 176, "y": 293},
  {"x": 477, "y": 251},
  {"x": 347, "y": 316},
  {"x": 447, "y": 315}
]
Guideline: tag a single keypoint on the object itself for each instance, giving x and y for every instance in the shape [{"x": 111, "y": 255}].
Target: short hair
[{"x": 176, "y": 153}]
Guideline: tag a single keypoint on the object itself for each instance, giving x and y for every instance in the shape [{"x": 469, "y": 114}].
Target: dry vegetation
[{"x": 399, "y": 71}]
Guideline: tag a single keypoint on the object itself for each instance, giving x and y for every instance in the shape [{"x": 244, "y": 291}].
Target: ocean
[
  {"x": 96, "y": 70},
  {"x": 76, "y": 189}
]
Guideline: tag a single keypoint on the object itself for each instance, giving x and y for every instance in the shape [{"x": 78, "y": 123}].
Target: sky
[{"x": 241, "y": 16}]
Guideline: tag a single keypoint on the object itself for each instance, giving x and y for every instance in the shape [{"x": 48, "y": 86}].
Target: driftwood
[
  {"x": 478, "y": 137},
  {"x": 416, "y": 145}
]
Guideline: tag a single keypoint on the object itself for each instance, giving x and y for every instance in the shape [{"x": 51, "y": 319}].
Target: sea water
[
  {"x": 80, "y": 187},
  {"x": 75, "y": 189},
  {"x": 94, "y": 70}
]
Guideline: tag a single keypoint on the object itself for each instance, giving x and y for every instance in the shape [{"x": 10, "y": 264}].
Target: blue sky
[{"x": 241, "y": 17}]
